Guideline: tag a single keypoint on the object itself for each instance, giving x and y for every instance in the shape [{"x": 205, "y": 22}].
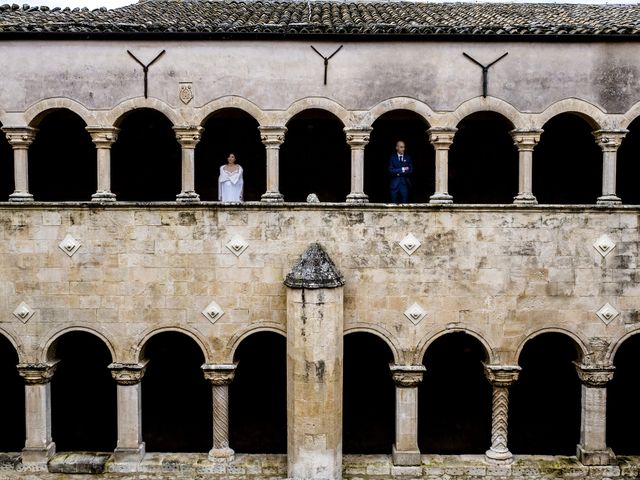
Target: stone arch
[
  {"x": 232, "y": 101},
  {"x": 380, "y": 332},
  {"x": 428, "y": 340},
  {"x": 237, "y": 338},
  {"x": 579, "y": 342},
  {"x": 15, "y": 342},
  {"x": 3, "y": 117},
  {"x": 625, "y": 121},
  {"x": 488, "y": 104},
  {"x": 36, "y": 112},
  {"x": 399, "y": 103},
  {"x": 320, "y": 103},
  {"x": 595, "y": 117},
  {"x": 194, "y": 335},
  {"x": 46, "y": 353},
  {"x": 615, "y": 346},
  {"x": 115, "y": 116}
]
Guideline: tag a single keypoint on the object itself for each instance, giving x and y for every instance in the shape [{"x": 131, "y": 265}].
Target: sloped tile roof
[{"x": 349, "y": 18}]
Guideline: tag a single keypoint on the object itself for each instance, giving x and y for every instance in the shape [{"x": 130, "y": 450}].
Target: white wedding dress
[{"x": 230, "y": 185}]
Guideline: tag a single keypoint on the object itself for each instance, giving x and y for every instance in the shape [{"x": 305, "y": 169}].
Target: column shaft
[
  {"x": 441, "y": 139},
  {"x": 525, "y": 141},
  {"x": 609, "y": 141},
  {"x": 272, "y": 137},
  {"x": 103, "y": 138},
  {"x": 188, "y": 136},
  {"x": 407, "y": 378},
  {"x": 20, "y": 138},
  {"x": 500, "y": 377},
  {"x": 357, "y": 138},
  {"x": 220, "y": 377}
]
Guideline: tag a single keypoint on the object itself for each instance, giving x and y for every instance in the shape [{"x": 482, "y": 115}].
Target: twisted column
[
  {"x": 357, "y": 138},
  {"x": 525, "y": 141},
  {"x": 20, "y": 138},
  {"x": 272, "y": 137},
  {"x": 188, "y": 137},
  {"x": 103, "y": 138},
  {"x": 407, "y": 379},
  {"x": 220, "y": 377},
  {"x": 609, "y": 141},
  {"x": 501, "y": 377},
  {"x": 441, "y": 139}
]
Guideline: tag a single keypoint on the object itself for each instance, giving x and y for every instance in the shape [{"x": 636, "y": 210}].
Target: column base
[
  {"x": 358, "y": 197},
  {"x": 595, "y": 457},
  {"x": 21, "y": 197},
  {"x": 129, "y": 455},
  {"x": 499, "y": 456},
  {"x": 608, "y": 200},
  {"x": 34, "y": 457},
  {"x": 405, "y": 458},
  {"x": 221, "y": 454},
  {"x": 103, "y": 197},
  {"x": 188, "y": 197},
  {"x": 272, "y": 197},
  {"x": 525, "y": 199},
  {"x": 441, "y": 198}
]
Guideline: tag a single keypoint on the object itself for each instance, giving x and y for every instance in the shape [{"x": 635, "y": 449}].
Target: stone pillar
[
  {"x": 314, "y": 367},
  {"x": 272, "y": 137},
  {"x": 39, "y": 446},
  {"x": 441, "y": 139},
  {"x": 188, "y": 137},
  {"x": 609, "y": 141},
  {"x": 501, "y": 377},
  {"x": 220, "y": 377},
  {"x": 130, "y": 447},
  {"x": 20, "y": 138},
  {"x": 592, "y": 449},
  {"x": 407, "y": 378},
  {"x": 103, "y": 138},
  {"x": 525, "y": 141},
  {"x": 357, "y": 138}
]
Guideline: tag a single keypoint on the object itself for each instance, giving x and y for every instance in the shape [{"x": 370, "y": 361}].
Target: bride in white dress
[{"x": 230, "y": 183}]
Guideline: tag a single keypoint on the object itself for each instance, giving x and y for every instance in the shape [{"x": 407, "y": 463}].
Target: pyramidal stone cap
[{"x": 314, "y": 269}]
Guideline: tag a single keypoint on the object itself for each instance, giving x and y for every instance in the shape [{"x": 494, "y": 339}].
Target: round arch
[
  {"x": 320, "y": 103},
  {"x": 579, "y": 342},
  {"x": 615, "y": 346},
  {"x": 400, "y": 103},
  {"x": 379, "y": 332},
  {"x": 232, "y": 101},
  {"x": 194, "y": 335},
  {"x": 237, "y": 338},
  {"x": 36, "y": 112},
  {"x": 45, "y": 354},
  {"x": 17, "y": 346},
  {"x": 628, "y": 117},
  {"x": 488, "y": 104},
  {"x": 595, "y": 117},
  {"x": 428, "y": 340},
  {"x": 115, "y": 116}
]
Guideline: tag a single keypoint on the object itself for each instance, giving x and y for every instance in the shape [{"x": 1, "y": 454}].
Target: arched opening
[
  {"x": 623, "y": 419},
  {"x": 450, "y": 422},
  {"x": 230, "y": 131},
  {"x": 315, "y": 158},
  {"x": 368, "y": 396},
  {"x": 146, "y": 158},
  {"x": 567, "y": 163},
  {"x": 83, "y": 395},
  {"x": 12, "y": 436},
  {"x": 483, "y": 161},
  {"x": 258, "y": 395},
  {"x": 176, "y": 398},
  {"x": 628, "y": 165},
  {"x": 388, "y": 129},
  {"x": 62, "y": 159},
  {"x": 544, "y": 412},
  {"x": 6, "y": 168}
]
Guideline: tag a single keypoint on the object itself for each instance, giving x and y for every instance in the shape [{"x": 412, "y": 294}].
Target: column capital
[
  {"x": 407, "y": 376},
  {"x": 358, "y": 137},
  {"x": 103, "y": 137},
  {"x": 20, "y": 137},
  {"x": 272, "y": 136},
  {"x": 219, "y": 375},
  {"x": 37, "y": 373},
  {"x": 188, "y": 135},
  {"x": 502, "y": 375},
  {"x": 128, "y": 373},
  {"x": 609, "y": 140},
  {"x": 441, "y": 137},
  {"x": 525, "y": 139},
  {"x": 596, "y": 376}
]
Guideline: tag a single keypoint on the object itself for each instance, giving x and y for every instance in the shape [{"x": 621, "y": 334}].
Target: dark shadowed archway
[
  {"x": 176, "y": 398},
  {"x": 12, "y": 433},
  {"x": 544, "y": 409},
  {"x": 628, "y": 166},
  {"x": 6, "y": 168},
  {"x": 258, "y": 395},
  {"x": 454, "y": 397}
]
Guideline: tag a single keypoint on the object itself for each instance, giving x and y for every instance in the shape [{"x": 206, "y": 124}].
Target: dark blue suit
[{"x": 400, "y": 180}]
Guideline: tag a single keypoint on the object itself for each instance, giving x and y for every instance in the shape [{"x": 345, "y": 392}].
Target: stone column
[
  {"x": 407, "y": 378},
  {"x": 20, "y": 138},
  {"x": 592, "y": 449},
  {"x": 188, "y": 137},
  {"x": 220, "y": 377},
  {"x": 609, "y": 141},
  {"x": 39, "y": 446},
  {"x": 357, "y": 138},
  {"x": 501, "y": 377},
  {"x": 272, "y": 137},
  {"x": 441, "y": 139},
  {"x": 103, "y": 138},
  {"x": 525, "y": 141},
  {"x": 130, "y": 447},
  {"x": 314, "y": 367}
]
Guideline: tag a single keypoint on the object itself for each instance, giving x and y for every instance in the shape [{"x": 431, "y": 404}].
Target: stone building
[{"x": 486, "y": 329}]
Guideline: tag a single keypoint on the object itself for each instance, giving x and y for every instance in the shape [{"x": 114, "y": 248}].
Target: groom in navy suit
[{"x": 400, "y": 168}]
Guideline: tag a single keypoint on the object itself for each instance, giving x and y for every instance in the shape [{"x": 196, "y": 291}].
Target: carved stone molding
[
  {"x": 37, "y": 373},
  {"x": 20, "y": 137},
  {"x": 103, "y": 137},
  {"x": 128, "y": 373},
  {"x": 185, "y": 92},
  {"x": 609, "y": 140},
  {"x": 24, "y": 312},
  {"x": 596, "y": 376},
  {"x": 272, "y": 136},
  {"x": 407, "y": 376},
  {"x": 441, "y": 138},
  {"x": 526, "y": 140},
  {"x": 607, "y": 313},
  {"x": 188, "y": 135},
  {"x": 219, "y": 375},
  {"x": 358, "y": 138},
  {"x": 502, "y": 375},
  {"x": 604, "y": 245},
  {"x": 69, "y": 245}
]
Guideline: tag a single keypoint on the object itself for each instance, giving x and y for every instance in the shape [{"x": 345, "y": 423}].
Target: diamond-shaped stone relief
[
  {"x": 213, "y": 312},
  {"x": 69, "y": 245},
  {"x": 607, "y": 313},
  {"x": 410, "y": 244},
  {"x": 23, "y": 312},
  {"x": 604, "y": 245},
  {"x": 237, "y": 245},
  {"x": 415, "y": 313}
]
